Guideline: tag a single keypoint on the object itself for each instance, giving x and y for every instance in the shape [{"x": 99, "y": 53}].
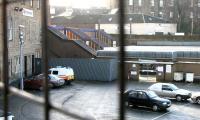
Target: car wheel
[
  {"x": 178, "y": 98},
  {"x": 198, "y": 100},
  {"x": 155, "y": 108}
]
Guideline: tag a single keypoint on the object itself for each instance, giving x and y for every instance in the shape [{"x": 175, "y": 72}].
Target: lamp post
[
  {"x": 21, "y": 42},
  {"x": 130, "y": 19}
]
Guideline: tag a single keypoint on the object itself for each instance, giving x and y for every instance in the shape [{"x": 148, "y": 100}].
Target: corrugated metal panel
[
  {"x": 168, "y": 43},
  {"x": 141, "y": 54},
  {"x": 89, "y": 69}
]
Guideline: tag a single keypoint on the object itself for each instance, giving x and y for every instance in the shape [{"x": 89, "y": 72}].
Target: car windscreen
[
  {"x": 173, "y": 87},
  {"x": 151, "y": 94}
]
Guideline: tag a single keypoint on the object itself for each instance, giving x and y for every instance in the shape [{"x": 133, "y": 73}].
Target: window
[
  {"x": 153, "y": 13},
  {"x": 133, "y": 94},
  {"x": 198, "y": 3},
  {"x": 152, "y": 3},
  {"x": 161, "y": 3},
  {"x": 142, "y": 95},
  {"x": 191, "y": 15},
  {"x": 140, "y": 2},
  {"x": 31, "y": 3},
  {"x": 171, "y": 14},
  {"x": 165, "y": 87},
  {"x": 38, "y": 4},
  {"x": 171, "y": 3},
  {"x": 160, "y": 14},
  {"x": 130, "y": 2},
  {"x": 10, "y": 28}
]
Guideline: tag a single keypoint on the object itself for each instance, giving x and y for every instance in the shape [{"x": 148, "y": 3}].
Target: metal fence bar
[
  {"x": 121, "y": 58},
  {"x": 5, "y": 57},
  {"x": 44, "y": 17}
]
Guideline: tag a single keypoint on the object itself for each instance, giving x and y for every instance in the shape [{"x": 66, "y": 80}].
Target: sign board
[
  {"x": 133, "y": 73},
  {"x": 27, "y": 12},
  {"x": 168, "y": 68},
  {"x": 160, "y": 68}
]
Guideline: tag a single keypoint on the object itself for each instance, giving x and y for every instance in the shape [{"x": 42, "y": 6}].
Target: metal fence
[{"x": 45, "y": 101}]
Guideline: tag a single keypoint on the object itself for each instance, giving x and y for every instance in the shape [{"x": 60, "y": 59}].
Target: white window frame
[
  {"x": 130, "y": 2},
  {"x": 152, "y": 3},
  {"x": 139, "y": 2},
  {"x": 191, "y": 15},
  {"x": 38, "y": 4},
  {"x": 10, "y": 29},
  {"x": 31, "y": 3},
  {"x": 171, "y": 14},
  {"x": 161, "y": 3},
  {"x": 161, "y": 14},
  {"x": 198, "y": 4}
]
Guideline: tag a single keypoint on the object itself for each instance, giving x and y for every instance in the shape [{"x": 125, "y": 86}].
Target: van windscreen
[{"x": 55, "y": 72}]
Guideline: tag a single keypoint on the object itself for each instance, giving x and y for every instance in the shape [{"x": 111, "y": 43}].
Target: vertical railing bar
[
  {"x": 5, "y": 58},
  {"x": 121, "y": 58},
  {"x": 44, "y": 16}
]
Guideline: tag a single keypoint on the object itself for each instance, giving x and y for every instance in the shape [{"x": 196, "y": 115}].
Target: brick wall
[{"x": 32, "y": 36}]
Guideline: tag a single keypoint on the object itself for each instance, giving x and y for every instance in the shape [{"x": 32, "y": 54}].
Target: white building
[{"x": 138, "y": 24}]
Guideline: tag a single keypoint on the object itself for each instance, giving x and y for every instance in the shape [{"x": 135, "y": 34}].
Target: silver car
[
  {"x": 169, "y": 90},
  {"x": 196, "y": 97}
]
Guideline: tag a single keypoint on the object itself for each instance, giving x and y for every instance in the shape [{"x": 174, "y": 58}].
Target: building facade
[
  {"x": 28, "y": 15},
  {"x": 186, "y": 13}
]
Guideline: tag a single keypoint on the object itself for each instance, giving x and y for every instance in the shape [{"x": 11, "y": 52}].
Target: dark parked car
[{"x": 146, "y": 98}]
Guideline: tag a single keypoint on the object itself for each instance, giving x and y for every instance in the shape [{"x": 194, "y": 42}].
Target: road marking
[{"x": 161, "y": 115}]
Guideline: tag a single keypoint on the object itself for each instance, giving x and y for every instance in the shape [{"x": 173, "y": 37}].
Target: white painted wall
[{"x": 141, "y": 28}]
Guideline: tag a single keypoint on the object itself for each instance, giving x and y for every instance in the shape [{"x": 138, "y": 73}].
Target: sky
[{"x": 79, "y": 3}]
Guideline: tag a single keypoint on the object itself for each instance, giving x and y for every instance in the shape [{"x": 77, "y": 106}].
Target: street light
[
  {"x": 21, "y": 42},
  {"x": 130, "y": 19}
]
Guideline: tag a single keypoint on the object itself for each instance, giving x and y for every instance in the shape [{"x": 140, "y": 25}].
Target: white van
[{"x": 66, "y": 73}]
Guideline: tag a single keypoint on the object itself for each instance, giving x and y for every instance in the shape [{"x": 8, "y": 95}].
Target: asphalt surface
[{"x": 100, "y": 100}]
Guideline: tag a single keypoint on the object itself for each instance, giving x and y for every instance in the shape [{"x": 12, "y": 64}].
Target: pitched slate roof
[
  {"x": 133, "y": 18},
  {"x": 107, "y": 19}
]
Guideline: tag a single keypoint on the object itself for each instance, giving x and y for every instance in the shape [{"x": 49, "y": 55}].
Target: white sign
[
  {"x": 133, "y": 73},
  {"x": 133, "y": 65},
  {"x": 27, "y": 12},
  {"x": 168, "y": 68},
  {"x": 160, "y": 68}
]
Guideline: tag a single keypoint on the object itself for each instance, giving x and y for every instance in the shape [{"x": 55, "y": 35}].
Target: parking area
[{"x": 100, "y": 99}]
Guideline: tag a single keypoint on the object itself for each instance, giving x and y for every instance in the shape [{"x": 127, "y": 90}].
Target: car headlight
[
  {"x": 190, "y": 94},
  {"x": 164, "y": 103}
]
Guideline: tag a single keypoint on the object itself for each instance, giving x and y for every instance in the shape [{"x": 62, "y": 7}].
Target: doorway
[{"x": 147, "y": 73}]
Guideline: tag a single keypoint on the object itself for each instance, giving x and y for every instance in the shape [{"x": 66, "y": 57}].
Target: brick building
[
  {"x": 186, "y": 13},
  {"x": 26, "y": 13}
]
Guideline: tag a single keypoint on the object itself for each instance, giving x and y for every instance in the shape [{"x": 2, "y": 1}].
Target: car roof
[
  {"x": 163, "y": 84},
  {"x": 138, "y": 90}
]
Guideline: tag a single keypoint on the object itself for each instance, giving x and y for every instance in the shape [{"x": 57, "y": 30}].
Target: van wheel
[
  {"x": 67, "y": 82},
  {"x": 178, "y": 98},
  {"x": 155, "y": 108}
]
